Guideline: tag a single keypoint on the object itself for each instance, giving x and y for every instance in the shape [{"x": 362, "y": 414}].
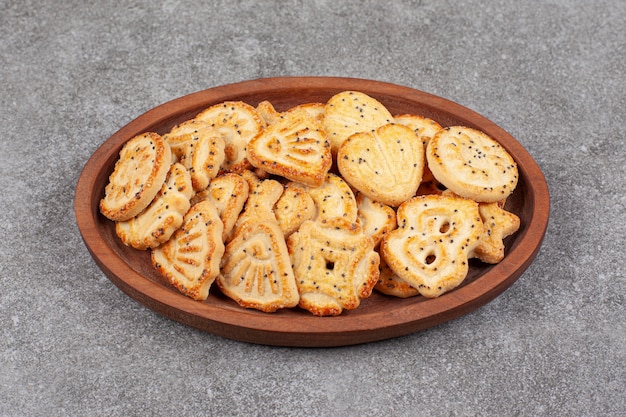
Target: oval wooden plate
[{"x": 379, "y": 317}]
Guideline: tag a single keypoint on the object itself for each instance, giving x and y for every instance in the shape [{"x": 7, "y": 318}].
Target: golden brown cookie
[
  {"x": 137, "y": 176},
  {"x": 163, "y": 216},
  {"x": 185, "y": 132},
  {"x": 424, "y": 127},
  {"x": 256, "y": 269},
  {"x": 335, "y": 265},
  {"x": 237, "y": 123},
  {"x": 390, "y": 283},
  {"x": 203, "y": 157},
  {"x": 376, "y": 219},
  {"x": 295, "y": 147},
  {"x": 435, "y": 236},
  {"x": 190, "y": 259},
  {"x": 385, "y": 164},
  {"x": 472, "y": 164},
  {"x": 293, "y": 208},
  {"x": 228, "y": 192},
  {"x": 497, "y": 225},
  {"x": 350, "y": 112},
  {"x": 334, "y": 198}
]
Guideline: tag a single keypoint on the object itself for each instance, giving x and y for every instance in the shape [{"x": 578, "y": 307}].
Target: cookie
[
  {"x": 435, "y": 236},
  {"x": 376, "y": 218},
  {"x": 389, "y": 283},
  {"x": 350, "y": 112},
  {"x": 256, "y": 269},
  {"x": 267, "y": 111},
  {"x": 334, "y": 198},
  {"x": 294, "y": 207},
  {"x": 294, "y": 147},
  {"x": 203, "y": 157},
  {"x": 190, "y": 259},
  {"x": 137, "y": 177},
  {"x": 472, "y": 164},
  {"x": 228, "y": 192},
  {"x": 335, "y": 265},
  {"x": 497, "y": 225},
  {"x": 385, "y": 164},
  {"x": 163, "y": 216},
  {"x": 424, "y": 127},
  {"x": 237, "y": 123},
  {"x": 185, "y": 132}
]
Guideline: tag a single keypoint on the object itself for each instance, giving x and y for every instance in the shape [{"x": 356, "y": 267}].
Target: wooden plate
[{"x": 379, "y": 317}]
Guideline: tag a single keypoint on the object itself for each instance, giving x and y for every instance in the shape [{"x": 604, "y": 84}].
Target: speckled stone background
[{"x": 551, "y": 73}]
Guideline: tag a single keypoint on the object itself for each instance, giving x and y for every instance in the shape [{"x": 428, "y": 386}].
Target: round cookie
[
  {"x": 472, "y": 164},
  {"x": 138, "y": 175}
]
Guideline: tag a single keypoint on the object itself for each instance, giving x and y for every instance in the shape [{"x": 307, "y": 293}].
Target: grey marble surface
[{"x": 551, "y": 73}]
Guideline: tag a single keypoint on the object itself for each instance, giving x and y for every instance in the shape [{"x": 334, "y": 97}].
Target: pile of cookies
[{"x": 314, "y": 207}]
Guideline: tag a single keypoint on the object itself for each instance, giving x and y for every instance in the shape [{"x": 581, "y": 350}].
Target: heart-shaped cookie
[{"x": 385, "y": 164}]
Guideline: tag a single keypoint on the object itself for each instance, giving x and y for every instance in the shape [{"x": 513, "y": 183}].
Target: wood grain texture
[{"x": 379, "y": 317}]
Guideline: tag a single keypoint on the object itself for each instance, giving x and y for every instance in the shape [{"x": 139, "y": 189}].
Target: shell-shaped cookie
[
  {"x": 294, "y": 207},
  {"x": 472, "y": 164},
  {"x": 434, "y": 238},
  {"x": 228, "y": 192},
  {"x": 295, "y": 147},
  {"x": 497, "y": 225},
  {"x": 376, "y": 218},
  {"x": 256, "y": 270},
  {"x": 185, "y": 132},
  {"x": 237, "y": 123},
  {"x": 163, "y": 216},
  {"x": 350, "y": 112},
  {"x": 203, "y": 157},
  {"x": 190, "y": 259},
  {"x": 385, "y": 164},
  {"x": 137, "y": 176},
  {"x": 335, "y": 265}
]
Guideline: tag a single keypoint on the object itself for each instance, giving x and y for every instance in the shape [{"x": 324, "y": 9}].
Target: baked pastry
[
  {"x": 256, "y": 270},
  {"x": 228, "y": 192},
  {"x": 237, "y": 123},
  {"x": 425, "y": 128},
  {"x": 472, "y": 164},
  {"x": 435, "y": 236},
  {"x": 137, "y": 176},
  {"x": 334, "y": 198},
  {"x": 385, "y": 164},
  {"x": 294, "y": 207},
  {"x": 376, "y": 218},
  {"x": 163, "y": 216},
  {"x": 190, "y": 259},
  {"x": 203, "y": 157},
  {"x": 350, "y": 112},
  {"x": 185, "y": 132},
  {"x": 295, "y": 147},
  {"x": 335, "y": 265},
  {"x": 390, "y": 283},
  {"x": 497, "y": 225}
]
